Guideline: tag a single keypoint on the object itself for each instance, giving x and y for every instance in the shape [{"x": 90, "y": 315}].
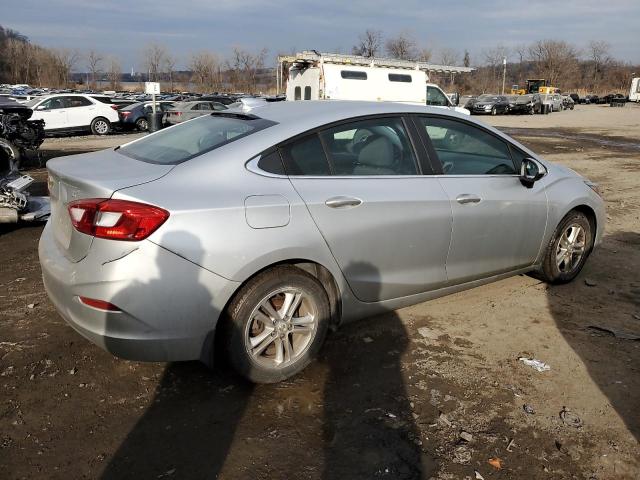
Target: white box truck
[
  {"x": 326, "y": 76},
  {"x": 634, "y": 92}
]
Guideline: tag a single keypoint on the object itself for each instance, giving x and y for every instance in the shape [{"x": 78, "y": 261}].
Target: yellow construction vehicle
[{"x": 515, "y": 90}]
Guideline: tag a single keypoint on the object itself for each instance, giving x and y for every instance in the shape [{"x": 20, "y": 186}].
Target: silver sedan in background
[
  {"x": 183, "y": 111},
  {"x": 257, "y": 231}
]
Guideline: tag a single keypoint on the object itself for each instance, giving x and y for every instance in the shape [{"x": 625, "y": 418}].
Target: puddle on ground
[{"x": 599, "y": 140}]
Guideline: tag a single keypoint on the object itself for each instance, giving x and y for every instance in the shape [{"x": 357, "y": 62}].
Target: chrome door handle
[
  {"x": 467, "y": 198},
  {"x": 343, "y": 202}
]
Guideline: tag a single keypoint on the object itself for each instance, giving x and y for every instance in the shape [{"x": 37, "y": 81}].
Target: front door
[
  {"x": 53, "y": 112},
  {"x": 387, "y": 226},
  {"x": 498, "y": 224}
]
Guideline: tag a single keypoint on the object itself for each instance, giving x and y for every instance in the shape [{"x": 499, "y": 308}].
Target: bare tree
[
  {"x": 205, "y": 69},
  {"x": 448, "y": 56},
  {"x": 402, "y": 47},
  {"x": 66, "y": 60},
  {"x": 170, "y": 66},
  {"x": 424, "y": 54},
  {"x": 243, "y": 68},
  {"x": 115, "y": 73},
  {"x": 94, "y": 61},
  {"x": 154, "y": 55},
  {"x": 554, "y": 59},
  {"x": 369, "y": 43},
  {"x": 598, "y": 52}
]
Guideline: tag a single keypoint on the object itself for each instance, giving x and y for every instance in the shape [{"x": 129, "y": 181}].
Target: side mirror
[
  {"x": 531, "y": 171},
  {"x": 41, "y": 108}
]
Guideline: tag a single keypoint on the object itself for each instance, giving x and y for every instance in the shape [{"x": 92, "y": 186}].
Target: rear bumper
[{"x": 169, "y": 306}]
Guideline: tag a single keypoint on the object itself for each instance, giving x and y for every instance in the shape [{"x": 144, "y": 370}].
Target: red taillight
[
  {"x": 99, "y": 304},
  {"x": 116, "y": 219},
  {"x": 115, "y": 107},
  {"x": 125, "y": 113}
]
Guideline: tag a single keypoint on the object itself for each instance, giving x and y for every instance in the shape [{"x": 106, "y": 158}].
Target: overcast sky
[{"x": 124, "y": 27}]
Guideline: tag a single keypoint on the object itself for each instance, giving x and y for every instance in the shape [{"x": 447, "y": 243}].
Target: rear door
[
  {"x": 498, "y": 224},
  {"x": 387, "y": 225},
  {"x": 80, "y": 110}
]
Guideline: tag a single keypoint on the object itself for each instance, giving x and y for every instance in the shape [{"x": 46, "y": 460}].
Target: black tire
[
  {"x": 100, "y": 126},
  {"x": 550, "y": 271},
  {"x": 238, "y": 323},
  {"x": 142, "y": 124},
  {"x": 494, "y": 111}
]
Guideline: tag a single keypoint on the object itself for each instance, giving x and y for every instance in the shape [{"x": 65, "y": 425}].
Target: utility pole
[{"x": 504, "y": 72}]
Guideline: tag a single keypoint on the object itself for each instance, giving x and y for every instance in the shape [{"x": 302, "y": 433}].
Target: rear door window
[
  {"x": 464, "y": 149},
  {"x": 377, "y": 146},
  {"x": 306, "y": 157}
]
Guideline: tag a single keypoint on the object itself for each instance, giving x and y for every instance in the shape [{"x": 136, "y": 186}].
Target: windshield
[
  {"x": 488, "y": 98},
  {"x": 193, "y": 138},
  {"x": 31, "y": 103}
]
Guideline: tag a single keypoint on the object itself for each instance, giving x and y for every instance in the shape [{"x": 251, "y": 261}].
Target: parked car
[
  {"x": 591, "y": 99},
  {"x": 576, "y": 98},
  {"x": 493, "y": 104},
  {"x": 183, "y": 111},
  {"x": 265, "y": 229},
  {"x": 524, "y": 104},
  {"x": 555, "y": 100},
  {"x": 567, "y": 102},
  {"x": 223, "y": 99},
  {"x": 64, "y": 113},
  {"x": 135, "y": 115}
]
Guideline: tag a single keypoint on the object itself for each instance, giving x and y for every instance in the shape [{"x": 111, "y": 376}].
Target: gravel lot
[{"x": 430, "y": 391}]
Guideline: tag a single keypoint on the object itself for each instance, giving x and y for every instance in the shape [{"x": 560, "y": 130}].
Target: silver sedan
[
  {"x": 183, "y": 111},
  {"x": 257, "y": 231}
]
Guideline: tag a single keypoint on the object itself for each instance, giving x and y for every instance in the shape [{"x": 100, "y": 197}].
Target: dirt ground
[{"x": 430, "y": 391}]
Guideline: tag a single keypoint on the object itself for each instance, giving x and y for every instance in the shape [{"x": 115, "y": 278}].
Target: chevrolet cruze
[{"x": 257, "y": 232}]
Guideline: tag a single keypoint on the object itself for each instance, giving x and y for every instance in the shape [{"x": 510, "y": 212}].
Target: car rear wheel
[
  {"x": 100, "y": 126},
  {"x": 568, "y": 249},
  {"x": 494, "y": 111},
  {"x": 142, "y": 124},
  {"x": 276, "y": 324}
]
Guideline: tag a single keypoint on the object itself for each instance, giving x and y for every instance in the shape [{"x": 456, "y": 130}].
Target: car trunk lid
[{"x": 91, "y": 175}]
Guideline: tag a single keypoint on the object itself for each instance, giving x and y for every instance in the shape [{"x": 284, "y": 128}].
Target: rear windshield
[
  {"x": 103, "y": 99},
  {"x": 190, "y": 139}
]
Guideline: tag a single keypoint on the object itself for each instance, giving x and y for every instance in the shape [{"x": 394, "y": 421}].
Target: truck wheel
[
  {"x": 276, "y": 324},
  {"x": 100, "y": 126}
]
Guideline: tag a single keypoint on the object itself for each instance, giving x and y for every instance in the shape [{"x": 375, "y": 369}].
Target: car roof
[{"x": 308, "y": 114}]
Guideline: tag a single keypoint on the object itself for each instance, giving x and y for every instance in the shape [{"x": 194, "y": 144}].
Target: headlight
[{"x": 593, "y": 186}]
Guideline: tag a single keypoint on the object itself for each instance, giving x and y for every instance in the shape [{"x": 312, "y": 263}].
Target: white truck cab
[{"x": 314, "y": 76}]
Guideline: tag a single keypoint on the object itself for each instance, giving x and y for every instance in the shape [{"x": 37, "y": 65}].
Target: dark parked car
[
  {"x": 524, "y": 104},
  {"x": 135, "y": 115},
  {"x": 591, "y": 99},
  {"x": 493, "y": 104},
  {"x": 576, "y": 98}
]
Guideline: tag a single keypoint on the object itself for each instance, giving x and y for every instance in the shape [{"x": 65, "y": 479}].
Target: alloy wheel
[
  {"x": 281, "y": 328},
  {"x": 571, "y": 248}
]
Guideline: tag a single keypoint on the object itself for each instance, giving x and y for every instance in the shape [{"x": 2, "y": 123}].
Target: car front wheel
[
  {"x": 568, "y": 249},
  {"x": 276, "y": 324},
  {"x": 100, "y": 126},
  {"x": 142, "y": 124}
]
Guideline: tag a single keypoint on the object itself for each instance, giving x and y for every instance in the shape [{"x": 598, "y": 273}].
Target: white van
[
  {"x": 375, "y": 80},
  {"x": 634, "y": 92}
]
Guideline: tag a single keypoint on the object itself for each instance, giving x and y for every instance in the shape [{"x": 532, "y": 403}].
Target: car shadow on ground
[
  {"x": 347, "y": 416},
  {"x": 596, "y": 333}
]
